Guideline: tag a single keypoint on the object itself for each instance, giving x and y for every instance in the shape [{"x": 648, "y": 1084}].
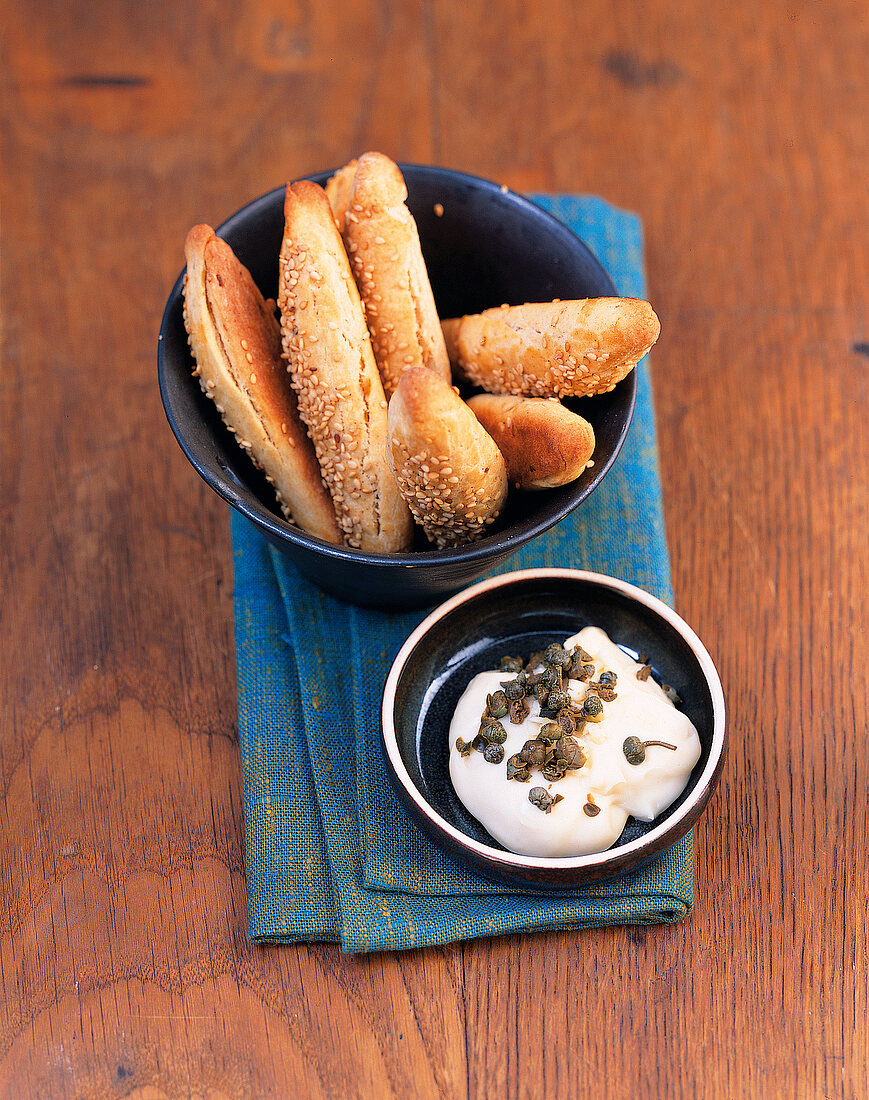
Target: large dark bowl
[
  {"x": 520, "y": 613},
  {"x": 489, "y": 246}
]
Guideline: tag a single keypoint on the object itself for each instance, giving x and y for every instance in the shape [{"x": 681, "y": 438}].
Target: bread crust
[
  {"x": 543, "y": 443},
  {"x": 552, "y": 349},
  {"x": 236, "y": 342},
  {"x": 449, "y": 470},
  {"x": 338, "y": 188},
  {"x": 333, "y": 371},
  {"x": 383, "y": 244}
]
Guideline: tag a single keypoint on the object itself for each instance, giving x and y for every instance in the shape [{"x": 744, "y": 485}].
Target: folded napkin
[{"x": 330, "y": 853}]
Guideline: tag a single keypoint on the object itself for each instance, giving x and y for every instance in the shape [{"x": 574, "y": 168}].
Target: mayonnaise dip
[{"x": 616, "y": 787}]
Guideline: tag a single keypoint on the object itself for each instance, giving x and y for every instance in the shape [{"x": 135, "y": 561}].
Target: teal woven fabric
[{"x": 330, "y": 853}]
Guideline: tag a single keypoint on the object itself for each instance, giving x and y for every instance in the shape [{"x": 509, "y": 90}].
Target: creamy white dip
[{"x": 618, "y": 788}]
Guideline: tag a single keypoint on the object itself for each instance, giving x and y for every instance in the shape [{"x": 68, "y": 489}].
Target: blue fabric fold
[{"x": 330, "y": 853}]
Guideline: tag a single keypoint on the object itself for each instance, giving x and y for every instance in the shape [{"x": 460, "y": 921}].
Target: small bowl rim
[
  {"x": 505, "y": 541},
  {"x": 655, "y": 838}
]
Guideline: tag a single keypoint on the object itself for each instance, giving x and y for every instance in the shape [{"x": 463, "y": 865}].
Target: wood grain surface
[{"x": 738, "y": 132}]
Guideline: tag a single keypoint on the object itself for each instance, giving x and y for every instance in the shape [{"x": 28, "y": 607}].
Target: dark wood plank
[{"x": 736, "y": 133}]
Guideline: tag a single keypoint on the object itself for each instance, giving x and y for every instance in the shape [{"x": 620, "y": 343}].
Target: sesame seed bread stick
[
  {"x": 338, "y": 188},
  {"x": 552, "y": 349},
  {"x": 333, "y": 371},
  {"x": 383, "y": 245},
  {"x": 543, "y": 443},
  {"x": 236, "y": 342},
  {"x": 451, "y": 473}
]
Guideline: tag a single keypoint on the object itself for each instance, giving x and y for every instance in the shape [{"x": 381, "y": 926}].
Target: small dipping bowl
[{"x": 521, "y": 613}]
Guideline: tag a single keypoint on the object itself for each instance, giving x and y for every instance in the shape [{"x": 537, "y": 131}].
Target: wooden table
[{"x": 738, "y": 132}]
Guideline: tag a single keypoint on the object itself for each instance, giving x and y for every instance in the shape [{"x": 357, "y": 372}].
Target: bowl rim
[
  {"x": 655, "y": 838},
  {"x": 501, "y": 542}
]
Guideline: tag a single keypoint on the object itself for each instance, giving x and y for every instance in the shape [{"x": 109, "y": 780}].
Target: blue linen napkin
[{"x": 330, "y": 853}]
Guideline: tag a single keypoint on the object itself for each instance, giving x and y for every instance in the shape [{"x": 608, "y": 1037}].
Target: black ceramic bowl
[
  {"x": 488, "y": 247},
  {"x": 520, "y": 613}
]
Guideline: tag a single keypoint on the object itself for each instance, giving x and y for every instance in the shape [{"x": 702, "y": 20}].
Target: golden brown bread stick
[
  {"x": 236, "y": 341},
  {"x": 552, "y": 349},
  {"x": 333, "y": 371},
  {"x": 386, "y": 256},
  {"x": 338, "y": 188},
  {"x": 543, "y": 443},
  {"x": 448, "y": 468}
]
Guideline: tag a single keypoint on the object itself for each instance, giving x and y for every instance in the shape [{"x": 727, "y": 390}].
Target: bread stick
[
  {"x": 236, "y": 342},
  {"x": 449, "y": 470},
  {"x": 333, "y": 371},
  {"x": 552, "y": 349},
  {"x": 382, "y": 242},
  {"x": 543, "y": 443},
  {"x": 338, "y": 188}
]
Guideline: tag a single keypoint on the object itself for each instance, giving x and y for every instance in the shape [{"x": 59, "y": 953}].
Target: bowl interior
[
  {"x": 517, "y": 619},
  {"x": 486, "y": 248}
]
